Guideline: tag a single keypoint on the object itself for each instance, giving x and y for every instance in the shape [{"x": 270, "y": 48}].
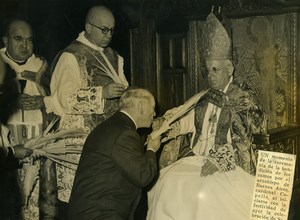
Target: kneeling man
[{"x": 114, "y": 166}]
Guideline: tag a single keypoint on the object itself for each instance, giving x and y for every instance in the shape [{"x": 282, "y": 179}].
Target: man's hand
[
  {"x": 21, "y": 152},
  {"x": 28, "y": 102},
  {"x": 157, "y": 123},
  {"x": 153, "y": 144},
  {"x": 208, "y": 168},
  {"x": 113, "y": 90}
]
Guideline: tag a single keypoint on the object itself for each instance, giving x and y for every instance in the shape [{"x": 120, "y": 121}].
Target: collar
[
  {"x": 129, "y": 117},
  {"x": 82, "y": 39},
  {"x": 218, "y": 97},
  {"x": 16, "y": 61},
  {"x": 14, "y": 64}
]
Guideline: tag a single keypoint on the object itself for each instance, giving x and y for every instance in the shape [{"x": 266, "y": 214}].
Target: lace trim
[
  {"x": 86, "y": 101},
  {"x": 223, "y": 158}
]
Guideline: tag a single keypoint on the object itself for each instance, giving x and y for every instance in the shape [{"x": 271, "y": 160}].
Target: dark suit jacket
[{"x": 112, "y": 170}]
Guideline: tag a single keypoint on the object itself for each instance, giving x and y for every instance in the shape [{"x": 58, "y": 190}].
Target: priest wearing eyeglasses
[
  {"x": 213, "y": 175},
  {"x": 86, "y": 84}
]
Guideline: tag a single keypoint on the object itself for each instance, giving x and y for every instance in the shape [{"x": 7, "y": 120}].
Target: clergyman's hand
[
  {"x": 21, "y": 152},
  {"x": 208, "y": 168},
  {"x": 113, "y": 90}
]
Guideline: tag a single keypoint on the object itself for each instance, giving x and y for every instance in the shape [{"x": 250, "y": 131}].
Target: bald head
[
  {"x": 14, "y": 25},
  {"x": 99, "y": 26},
  {"x": 18, "y": 40},
  {"x": 98, "y": 12}
]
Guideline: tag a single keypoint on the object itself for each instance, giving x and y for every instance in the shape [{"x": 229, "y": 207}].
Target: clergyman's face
[
  {"x": 218, "y": 73},
  {"x": 95, "y": 32},
  {"x": 19, "y": 41}
]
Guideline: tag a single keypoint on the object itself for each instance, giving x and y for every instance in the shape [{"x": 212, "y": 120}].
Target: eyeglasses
[{"x": 104, "y": 29}]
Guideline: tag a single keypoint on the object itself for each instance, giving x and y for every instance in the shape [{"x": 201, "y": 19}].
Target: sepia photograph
[{"x": 150, "y": 109}]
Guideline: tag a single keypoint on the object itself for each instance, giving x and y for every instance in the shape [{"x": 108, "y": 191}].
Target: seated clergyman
[{"x": 215, "y": 181}]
